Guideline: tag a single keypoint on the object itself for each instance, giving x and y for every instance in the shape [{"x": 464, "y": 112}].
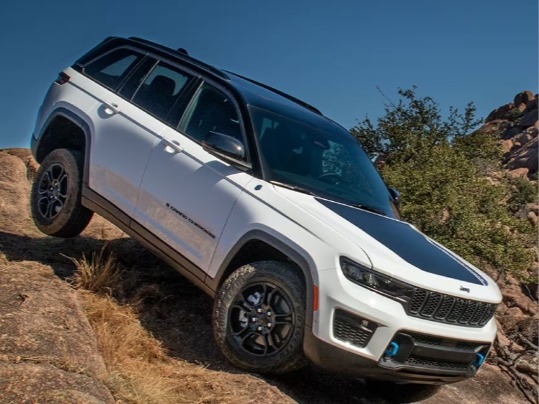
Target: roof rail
[
  {"x": 281, "y": 93},
  {"x": 182, "y": 54}
]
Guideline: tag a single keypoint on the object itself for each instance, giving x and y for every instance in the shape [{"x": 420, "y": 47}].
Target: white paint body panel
[
  {"x": 186, "y": 197},
  {"x": 121, "y": 143}
]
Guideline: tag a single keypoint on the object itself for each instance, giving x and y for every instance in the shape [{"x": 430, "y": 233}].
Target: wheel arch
[
  {"x": 64, "y": 129},
  {"x": 260, "y": 246}
]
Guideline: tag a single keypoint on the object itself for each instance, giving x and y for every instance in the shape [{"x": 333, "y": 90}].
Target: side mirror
[
  {"x": 224, "y": 145},
  {"x": 395, "y": 195}
]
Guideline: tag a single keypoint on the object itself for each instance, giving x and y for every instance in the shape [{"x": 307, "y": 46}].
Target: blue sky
[{"x": 333, "y": 54}]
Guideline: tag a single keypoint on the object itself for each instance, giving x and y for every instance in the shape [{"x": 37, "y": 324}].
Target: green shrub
[{"x": 440, "y": 173}]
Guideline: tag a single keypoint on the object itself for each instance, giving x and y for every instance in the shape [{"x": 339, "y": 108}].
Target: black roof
[
  {"x": 255, "y": 91},
  {"x": 181, "y": 54}
]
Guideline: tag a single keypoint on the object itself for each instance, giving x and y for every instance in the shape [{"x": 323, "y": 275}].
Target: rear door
[{"x": 134, "y": 95}]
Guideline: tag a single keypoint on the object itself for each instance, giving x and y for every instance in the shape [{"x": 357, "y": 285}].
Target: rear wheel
[
  {"x": 55, "y": 200},
  {"x": 258, "y": 317}
]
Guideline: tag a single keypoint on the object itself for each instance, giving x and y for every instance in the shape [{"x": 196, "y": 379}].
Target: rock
[
  {"x": 528, "y": 119},
  {"x": 522, "y": 138},
  {"x": 510, "y": 132},
  {"x": 525, "y": 157},
  {"x": 523, "y": 97},
  {"x": 43, "y": 383},
  {"x": 506, "y": 145},
  {"x": 532, "y": 131},
  {"x": 532, "y": 104},
  {"x": 42, "y": 318},
  {"x": 518, "y": 172},
  {"x": 15, "y": 188},
  {"x": 495, "y": 126},
  {"x": 500, "y": 113},
  {"x": 502, "y": 339},
  {"x": 533, "y": 207},
  {"x": 532, "y": 217},
  {"x": 515, "y": 299}
]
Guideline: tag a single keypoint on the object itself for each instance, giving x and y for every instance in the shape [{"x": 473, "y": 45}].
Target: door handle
[
  {"x": 111, "y": 108},
  {"x": 172, "y": 146}
]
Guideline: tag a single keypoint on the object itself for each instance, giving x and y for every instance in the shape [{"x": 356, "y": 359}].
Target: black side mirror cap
[
  {"x": 395, "y": 195},
  {"x": 224, "y": 144}
]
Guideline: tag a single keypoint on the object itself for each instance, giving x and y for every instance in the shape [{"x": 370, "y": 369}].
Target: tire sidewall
[
  {"x": 70, "y": 161},
  {"x": 281, "y": 276}
]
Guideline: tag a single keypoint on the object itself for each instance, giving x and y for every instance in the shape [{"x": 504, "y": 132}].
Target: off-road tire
[
  {"x": 55, "y": 200},
  {"x": 283, "y": 297},
  {"x": 403, "y": 393}
]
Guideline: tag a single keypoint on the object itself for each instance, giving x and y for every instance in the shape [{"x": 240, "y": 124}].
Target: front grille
[
  {"x": 352, "y": 329},
  {"x": 449, "y": 309}
]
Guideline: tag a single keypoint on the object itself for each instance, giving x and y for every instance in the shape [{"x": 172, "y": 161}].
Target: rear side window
[
  {"x": 113, "y": 67},
  {"x": 160, "y": 90}
]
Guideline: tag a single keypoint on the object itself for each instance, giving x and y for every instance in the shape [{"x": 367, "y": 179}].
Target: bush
[
  {"x": 440, "y": 173},
  {"x": 523, "y": 192}
]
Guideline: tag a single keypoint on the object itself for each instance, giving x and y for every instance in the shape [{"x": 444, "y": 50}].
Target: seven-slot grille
[{"x": 449, "y": 309}]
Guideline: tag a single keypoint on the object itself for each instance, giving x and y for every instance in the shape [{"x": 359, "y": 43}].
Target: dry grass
[
  {"x": 136, "y": 363},
  {"x": 139, "y": 370},
  {"x": 101, "y": 273}
]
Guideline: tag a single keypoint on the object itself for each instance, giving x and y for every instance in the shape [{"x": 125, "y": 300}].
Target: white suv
[{"x": 269, "y": 207}]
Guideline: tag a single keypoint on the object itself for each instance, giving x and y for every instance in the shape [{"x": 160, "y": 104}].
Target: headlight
[{"x": 370, "y": 279}]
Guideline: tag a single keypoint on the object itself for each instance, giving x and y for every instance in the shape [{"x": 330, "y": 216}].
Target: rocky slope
[{"x": 517, "y": 125}]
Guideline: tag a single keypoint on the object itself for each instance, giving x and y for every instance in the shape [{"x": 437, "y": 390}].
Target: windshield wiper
[
  {"x": 368, "y": 207},
  {"x": 293, "y": 187},
  {"x": 308, "y": 192}
]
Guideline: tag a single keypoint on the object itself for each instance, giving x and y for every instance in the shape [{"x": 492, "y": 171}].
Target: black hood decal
[{"x": 408, "y": 243}]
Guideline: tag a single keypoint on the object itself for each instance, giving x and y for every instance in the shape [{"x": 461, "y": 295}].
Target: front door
[{"x": 187, "y": 194}]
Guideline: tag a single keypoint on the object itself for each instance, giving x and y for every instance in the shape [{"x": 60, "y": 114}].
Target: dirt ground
[{"x": 48, "y": 350}]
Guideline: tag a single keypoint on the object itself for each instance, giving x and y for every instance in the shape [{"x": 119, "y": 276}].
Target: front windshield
[{"x": 321, "y": 158}]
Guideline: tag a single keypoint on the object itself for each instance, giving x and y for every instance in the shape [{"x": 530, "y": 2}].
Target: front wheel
[
  {"x": 55, "y": 200},
  {"x": 258, "y": 317}
]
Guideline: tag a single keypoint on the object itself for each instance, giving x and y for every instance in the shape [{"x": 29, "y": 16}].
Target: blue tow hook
[
  {"x": 392, "y": 350},
  {"x": 479, "y": 359}
]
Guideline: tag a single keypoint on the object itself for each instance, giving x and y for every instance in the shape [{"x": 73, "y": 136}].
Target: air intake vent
[{"x": 352, "y": 329}]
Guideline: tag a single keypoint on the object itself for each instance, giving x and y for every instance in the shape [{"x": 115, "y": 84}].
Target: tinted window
[
  {"x": 112, "y": 68},
  {"x": 320, "y": 157},
  {"x": 160, "y": 90},
  {"x": 211, "y": 111}
]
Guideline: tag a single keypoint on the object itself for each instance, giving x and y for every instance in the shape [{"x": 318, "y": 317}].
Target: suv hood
[
  {"x": 389, "y": 243},
  {"x": 407, "y": 242}
]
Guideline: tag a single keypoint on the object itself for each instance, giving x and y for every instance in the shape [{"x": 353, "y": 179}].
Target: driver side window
[{"x": 211, "y": 110}]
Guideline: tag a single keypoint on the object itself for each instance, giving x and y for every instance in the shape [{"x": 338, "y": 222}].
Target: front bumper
[
  {"x": 361, "y": 333},
  {"x": 332, "y": 358}
]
